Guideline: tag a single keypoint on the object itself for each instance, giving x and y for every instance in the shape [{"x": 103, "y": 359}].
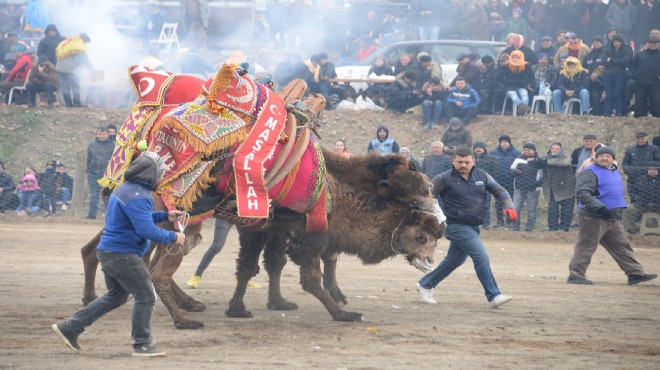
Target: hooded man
[
  {"x": 505, "y": 153},
  {"x": 637, "y": 157},
  {"x": 383, "y": 144},
  {"x": 48, "y": 44},
  {"x": 645, "y": 66},
  {"x": 527, "y": 184},
  {"x": 455, "y": 136},
  {"x": 573, "y": 83},
  {"x": 130, "y": 226},
  {"x": 601, "y": 202},
  {"x": 645, "y": 197}
]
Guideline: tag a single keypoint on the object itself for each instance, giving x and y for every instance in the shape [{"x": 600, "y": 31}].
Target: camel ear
[{"x": 415, "y": 217}]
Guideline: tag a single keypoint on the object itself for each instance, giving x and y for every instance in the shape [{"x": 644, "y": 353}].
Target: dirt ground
[{"x": 549, "y": 324}]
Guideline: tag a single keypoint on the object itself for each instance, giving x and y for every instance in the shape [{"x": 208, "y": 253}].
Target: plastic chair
[
  {"x": 652, "y": 227},
  {"x": 570, "y": 105},
  {"x": 168, "y": 36},
  {"x": 536, "y": 103},
  {"x": 19, "y": 88},
  {"x": 514, "y": 111}
]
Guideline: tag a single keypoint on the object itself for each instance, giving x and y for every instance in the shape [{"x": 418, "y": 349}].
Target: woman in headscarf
[
  {"x": 573, "y": 83},
  {"x": 517, "y": 77}
]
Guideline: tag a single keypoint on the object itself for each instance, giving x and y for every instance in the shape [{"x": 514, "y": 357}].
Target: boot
[
  {"x": 67, "y": 100},
  {"x": 76, "y": 101}
]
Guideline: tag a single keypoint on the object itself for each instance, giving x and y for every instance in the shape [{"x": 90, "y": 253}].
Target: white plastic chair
[
  {"x": 18, "y": 88},
  {"x": 570, "y": 105},
  {"x": 168, "y": 36}
]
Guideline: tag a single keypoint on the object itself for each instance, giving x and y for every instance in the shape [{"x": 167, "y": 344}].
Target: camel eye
[{"x": 420, "y": 238}]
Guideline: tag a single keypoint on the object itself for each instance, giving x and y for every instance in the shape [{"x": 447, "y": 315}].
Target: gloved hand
[
  {"x": 511, "y": 213},
  {"x": 604, "y": 213}
]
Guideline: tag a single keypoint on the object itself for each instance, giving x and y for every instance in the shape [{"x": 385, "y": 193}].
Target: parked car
[{"x": 444, "y": 52}]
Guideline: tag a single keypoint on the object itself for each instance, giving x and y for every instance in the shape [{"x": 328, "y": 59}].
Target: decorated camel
[{"x": 225, "y": 121}]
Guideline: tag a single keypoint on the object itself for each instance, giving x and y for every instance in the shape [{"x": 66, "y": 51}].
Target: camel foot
[
  {"x": 88, "y": 300},
  {"x": 282, "y": 305},
  {"x": 238, "y": 313},
  {"x": 189, "y": 324},
  {"x": 193, "y": 306},
  {"x": 349, "y": 317}
]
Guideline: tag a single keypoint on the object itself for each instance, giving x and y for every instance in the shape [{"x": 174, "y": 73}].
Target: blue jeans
[
  {"x": 518, "y": 96},
  {"x": 464, "y": 242},
  {"x": 29, "y": 200},
  {"x": 615, "y": 87},
  {"x": 220, "y": 233},
  {"x": 558, "y": 99},
  {"x": 432, "y": 111},
  {"x": 94, "y": 193},
  {"x": 532, "y": 199},
  {"x": 66, "y": 195},
  {"x": 125, "y": 273}
]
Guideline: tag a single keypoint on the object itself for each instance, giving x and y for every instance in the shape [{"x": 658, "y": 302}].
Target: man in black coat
[
  {"x": 637, "y": 158},
  {"x": 645, "y": 67}
]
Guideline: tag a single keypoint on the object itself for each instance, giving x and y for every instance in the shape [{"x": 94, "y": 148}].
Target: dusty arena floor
[{"x": 549, "y": 324}]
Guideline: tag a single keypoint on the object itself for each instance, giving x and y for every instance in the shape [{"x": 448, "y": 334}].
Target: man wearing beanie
[
  {"x": 646, "y": 198},
  {"x": 130, "y": 226},
  {"x": 527, "y": 185},
  {"x": 637, "y": 157},
  {"x": 456, "y": 135},
  {"x": 596, "y": 55},
  {"x": 584, "y": 152},
  {"x": 19, "y": 72},
  {"x": 601, "y": 202},
  {"x": 505, "y": 153}
]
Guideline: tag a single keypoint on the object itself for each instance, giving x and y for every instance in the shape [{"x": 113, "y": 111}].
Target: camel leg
[
  {"x": 186, "y": 302},
  {"x": 309, "y": 260},
  {"x": 247, "y": 266},
  {"x": 330, "y": 278},
  {"x": 274, "y": 261},
  {"x": 90, "y": 264}
]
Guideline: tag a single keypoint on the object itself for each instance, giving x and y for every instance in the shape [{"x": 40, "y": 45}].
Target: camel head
[{"x": 416, "y": 238}]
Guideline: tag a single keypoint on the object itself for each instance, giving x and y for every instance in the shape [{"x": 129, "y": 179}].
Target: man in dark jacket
[
  {"x": 601, "y": 201},
  {"x": 597, "y": 90},
  {"x": 383, "y": 144},
  {"x": 645, "y": 67},
  {"x": 436, "y": 162},
  {"x": 49, "y": 43},
  {"x": 581, "y": 154},
  {"x": 598, "y": 54},
  {"x": 489, "y": 70},
  {"x": 47, "y": 184},
  {"x": 403, "y": 94},
  {"x": 573, "y": 83},
  {"x": 129, "y": 228},
  {"x": 637, "y": 157},
  {"x": 527, "y": 185},
  {"x": 646, "y": 198},
  {"x": 468, "y": 70},
  {"x": 43, "y": 78},
  {"x": 546, "y": 47},
  {"x": 7, "y": 187},
  {"x": 619, "y": 56},
  {"x": 505, "y": 154},
  {"x": 463, "y": 190},
  {"x": 99, "y": 153},
  {"x": 462, "y": 101},
  {"x": 64, "y": 185}
]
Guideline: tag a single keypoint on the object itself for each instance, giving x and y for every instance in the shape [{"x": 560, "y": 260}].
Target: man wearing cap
[
  {"x": 646, "y": 198},
  {"x": 527, "y": 183},
  {"x": 584, "y": 152},
  {"x": 637, "y": 157},
  {"x": 546, "y": 47},
  {"x": 645, "y": 67},
  {"x": 468, "y": 70},
  {"x": 129, "y": 228},
  {"x": 601, "y": 202},
  {"x": 19, "y": 72},
  {"x": 43, "y": 78}
]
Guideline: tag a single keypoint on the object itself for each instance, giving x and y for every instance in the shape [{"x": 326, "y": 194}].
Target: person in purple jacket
[{"x": 129, "y": 227}]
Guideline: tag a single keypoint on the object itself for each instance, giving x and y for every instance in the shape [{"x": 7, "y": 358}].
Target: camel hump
[{"x": 293, "y": 91}]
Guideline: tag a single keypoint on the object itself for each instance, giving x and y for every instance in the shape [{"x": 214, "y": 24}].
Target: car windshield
[{"x": 440, "y": 53}]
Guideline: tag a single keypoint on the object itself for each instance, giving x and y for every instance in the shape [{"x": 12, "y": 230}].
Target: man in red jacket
[{"x": 19, "y": 73}]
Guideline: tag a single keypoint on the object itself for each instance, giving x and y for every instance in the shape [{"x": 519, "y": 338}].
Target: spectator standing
[
  {"x": 575, "y": 16},
  {"x": 646, "y": 17},
  {"x": 517, "y": 23},
  {"x": 433, "y": 103},
  {"x": 403, "y": 94},
  {"x": 619, "y": 56},
  {"x": 71, "y": 58},
  {"x": 597, "y": 90},
  {"x": 637, "y": 158},
  {"x": 463, "y": 191},
  {"x": 456, "y": 136},
  {"x": 537, "y": 20},
  {"x": 581, "y": 154},
  {"x": 43, "y": 78},
  {"x": 645, "y": 67},
  {"x": 129, "y": 229},
  {"x": 462, "y": 101},
  {"x": 527, "y": 185},
  {"x": 47, "y": 183},
  {"x": 620, "y": 15},
  {"x": 19, "y": 72},
  {"x": 99, "y": 153},
  {"x": 489, "y": 84},
  {"x": 601, "y": 201},
  {"x": 29, "y": 195},
  {"x": 427, "y": 12},
  {"x": 505, "y": 153},
  {"x": 496, "y": 20},
  {"x": 64, "y": 185},
  {"x": 487, "y": 163},
  {"x": 597, "y": 55},
  {"x": 48, "y": 44},
  {"x": 326, "y": 73},
  {"x": 597, "y": 18},
  {"x": 383, "y": 144},
  {"x": 366, "y": 47},
  {"x": 558, "y": 186},
  {"x": 517, "y": 77},
  {"x": 646, "y": 198},
  {"x": 7, "y": 187},
  {"x": 574, "y": 48},
  {"x": 546, "y": 47},
  {"x": 573, "y": 83},
  {"x": 10, "y": 19},
  {"x": 436, "y": 162},
  {"x": 427, "y": 69}
]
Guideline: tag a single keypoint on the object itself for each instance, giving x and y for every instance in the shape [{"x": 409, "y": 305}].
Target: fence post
[{"x": 78, "y": 197}]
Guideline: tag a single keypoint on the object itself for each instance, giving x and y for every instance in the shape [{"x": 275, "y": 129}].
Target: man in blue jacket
[
  {"x": 463, "y": 190},
  {"x": 462, "y": 101},
  {"x": 130, "y": 225}
]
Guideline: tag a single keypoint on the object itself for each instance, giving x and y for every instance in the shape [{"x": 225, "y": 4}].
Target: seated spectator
[
  {"x": 517, "y": 77},
  {"x": 436, "y": 162},
  {"x": 341, "y": 149},
  {"x": 406, "y": 63},
  {"x": 558, "y": 186},
  {"x": 574, "y": 48},
  {"x": 29, "y": 195},
  {"x": 43, "y": 78},
  {"x": 597, "y": 54},
  {"x": 597, "y": 90},
  {"x": 468, "y": 70},
  {"x": 326, "y": 73},
  {"x": 489, "y": 83},
  {"x": 383, "y": 144},
  {"x": 19, "y": 72},
  {"x": 645, "y": 197},
  {"x": 311, "y": 74},
  {"x": 573, "y": 83},
  {"x": 645, "y": 67},
  {"x": 546, "y": 47},
  {"x": 432, "y": 104},
  {"x": 63, "y": 186},
  {"x": 527, "y": 184},
  {"x": 378, "y": 69},
  {"x": 47, "y": 181},
  {"x": 8, "y": 59},
  {"x": 462, "y": 101},
  {"x": 455, "y": 136},
  {"x": 406, "y": 152},
  {"x": 7, "y": 187},
  {"x": 517, "y": 42},
  {"x": 403, "y": 94},
  {"x": 619, "y": 56},
  {"x": 499, "y": 92},
  {"x": 192, "y": 63},
  {"x": 426, "y": 70},
  {"x": 544, "y": 73}
]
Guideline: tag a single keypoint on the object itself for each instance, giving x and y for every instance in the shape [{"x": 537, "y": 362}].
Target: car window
[{"x": 447, "y": 54}]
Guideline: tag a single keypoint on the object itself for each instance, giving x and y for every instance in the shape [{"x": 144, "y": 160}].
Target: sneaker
[
  {"x": 65, "y": 207},
  {"x": 147, "y": 350},
  {"x": 250, "y": 284},
  {"x": 572, "y": 279},
  {"x": 522, "y": 109},
  {"x": 636, "y": 279},
  {"x": 70, "y": 339},
  {"x": 427, "y": 294},
  {"x": 193, "y": 282},
  {"x": 90, "y": 217},
  {"x": 500, "y": 300}
]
